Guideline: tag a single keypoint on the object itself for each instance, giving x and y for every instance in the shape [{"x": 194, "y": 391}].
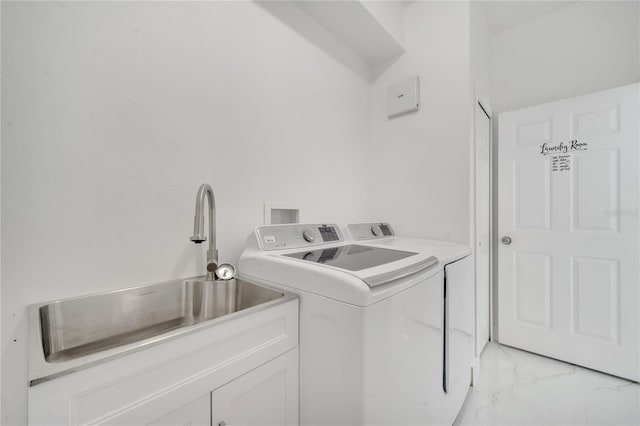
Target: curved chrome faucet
[{"x": 198, "y": 227}]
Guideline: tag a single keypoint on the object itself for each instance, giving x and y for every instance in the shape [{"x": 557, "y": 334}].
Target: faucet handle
[
  {"x": 212, "y": 263},
  {"x": 211, "y": 266},
  {"x": 211, "y": 269}
]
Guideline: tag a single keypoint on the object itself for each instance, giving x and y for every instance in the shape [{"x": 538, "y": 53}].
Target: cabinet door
[
  {"x": 196, "y": 413},
  {"x": 267, "y": 395}
]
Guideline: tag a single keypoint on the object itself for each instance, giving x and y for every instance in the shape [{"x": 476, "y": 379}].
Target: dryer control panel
[
  {"x": 279, "y": 237},
  {"x": 370, "y": 231}
]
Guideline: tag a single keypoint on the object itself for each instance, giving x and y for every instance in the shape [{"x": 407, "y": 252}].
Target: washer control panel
[
  {"x": 279, "y": 237},
  {"x": 370, "y": 231}
]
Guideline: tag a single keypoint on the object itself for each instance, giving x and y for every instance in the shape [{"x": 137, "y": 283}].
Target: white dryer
[
  {"x": 371, "y": 323},
  {"x": 457, "y": 306}
]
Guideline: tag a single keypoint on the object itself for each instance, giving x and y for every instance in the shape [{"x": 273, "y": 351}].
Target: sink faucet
[{"x": 198, "y": 227}]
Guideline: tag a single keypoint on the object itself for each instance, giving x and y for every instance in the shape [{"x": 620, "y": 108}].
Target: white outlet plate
[
  {"x": 403, "y": 97},
  {"x": 276, "y": 213}
]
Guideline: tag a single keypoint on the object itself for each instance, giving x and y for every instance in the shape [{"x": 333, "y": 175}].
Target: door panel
[
  {"x": 594, "y": 191},
  {"x": 568, "y": 283},
  {"x": 530, "y": 133},
  {"x": 532, "y": 282},
  {"x": 594, "y": 298},
  {"x": 532, "y": 194},
  {"x": 595, "y": 123}
]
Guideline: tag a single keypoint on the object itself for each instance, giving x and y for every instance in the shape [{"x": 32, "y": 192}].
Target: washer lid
[
  {"x": 363, "y": 261},
  {"x": 352, "y": 257}
]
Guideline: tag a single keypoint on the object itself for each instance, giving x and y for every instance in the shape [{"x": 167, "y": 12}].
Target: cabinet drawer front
[{"x": 195, "y": 413}]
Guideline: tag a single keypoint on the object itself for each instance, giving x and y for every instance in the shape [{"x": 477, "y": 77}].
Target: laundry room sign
[
  {"x": 561, "y": 160},
  {"x": 563, "y": 148}
]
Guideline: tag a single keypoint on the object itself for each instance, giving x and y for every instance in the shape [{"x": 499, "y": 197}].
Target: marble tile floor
[{"x": 520, "y": 388}]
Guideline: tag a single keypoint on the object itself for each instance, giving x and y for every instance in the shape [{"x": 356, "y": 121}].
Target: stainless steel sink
[{"x": 84, "y": 328}]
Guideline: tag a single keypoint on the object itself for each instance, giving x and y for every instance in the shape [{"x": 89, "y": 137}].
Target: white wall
[
  {"x": 480, "y": 53},
  {"x": 419, "y": 162},
  {"x": 114, "y": 113},
  {"x": 579, "y": 49}
]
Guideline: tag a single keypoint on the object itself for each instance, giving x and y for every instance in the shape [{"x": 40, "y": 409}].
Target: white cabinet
[
  {"x": 171, "y": 383},
  {"x": 265, "y": 396},
  {"x": 195, "y": 413}
]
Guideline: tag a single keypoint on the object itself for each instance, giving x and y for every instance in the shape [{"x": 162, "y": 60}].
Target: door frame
[{"x": 483, "y": 102}]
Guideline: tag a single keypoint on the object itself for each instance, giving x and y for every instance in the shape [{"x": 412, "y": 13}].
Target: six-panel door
[{"x": 569, "y": 202}]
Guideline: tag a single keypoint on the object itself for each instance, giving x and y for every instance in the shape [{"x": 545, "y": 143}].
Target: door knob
[{"x": 506, "y": 240}]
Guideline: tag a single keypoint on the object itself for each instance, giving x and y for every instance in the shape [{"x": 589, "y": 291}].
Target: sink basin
[
  {"x": 83, "y": 326},
  {"x": 69, "y": 333}
]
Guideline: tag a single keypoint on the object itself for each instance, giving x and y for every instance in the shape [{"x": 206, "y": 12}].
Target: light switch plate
[{"x": 403, "y": 97}]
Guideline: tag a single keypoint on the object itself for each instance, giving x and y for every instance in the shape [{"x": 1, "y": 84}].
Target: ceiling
[{"x": 502, "y": 15}]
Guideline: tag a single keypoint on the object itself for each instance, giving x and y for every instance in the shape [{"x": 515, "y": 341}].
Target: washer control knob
[
  {"x": 308, "y": 236},
  {"x": 374, "y": 231}
]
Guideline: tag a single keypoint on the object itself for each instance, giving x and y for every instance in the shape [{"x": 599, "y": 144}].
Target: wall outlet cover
[
  {"x": 277, "y": 213},
  {"x": 403, "y": 97}
]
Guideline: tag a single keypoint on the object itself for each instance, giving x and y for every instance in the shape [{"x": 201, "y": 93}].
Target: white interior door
[
  {"x": 568, "y": 283},
  {"x": 482, "y": 225}
]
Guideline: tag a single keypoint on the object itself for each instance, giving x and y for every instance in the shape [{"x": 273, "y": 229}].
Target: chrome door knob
[{"x": 506, "y": 240}]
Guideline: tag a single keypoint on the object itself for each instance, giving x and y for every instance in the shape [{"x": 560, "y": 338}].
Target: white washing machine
[
  {"x": 458, "y": 306},
  {"x": 371, "y": 323}
]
